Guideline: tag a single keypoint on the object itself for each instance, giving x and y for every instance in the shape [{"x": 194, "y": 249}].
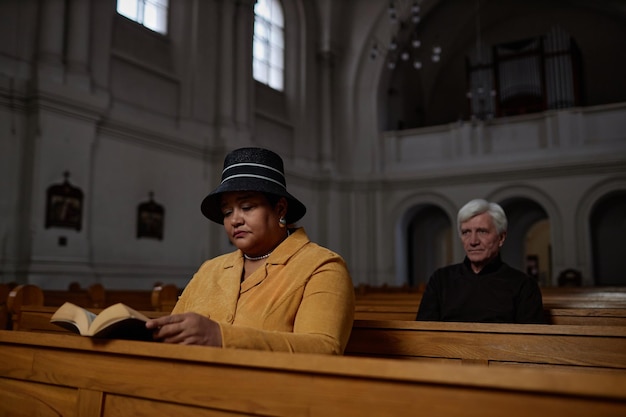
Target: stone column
[
  {"x": 50, "y": 54},
  {"x": 226, "y": 67},
  {"x": 326, "y": 59},
  {"x": 78, "y": 43},
  {"x": 244, "y": 82}
]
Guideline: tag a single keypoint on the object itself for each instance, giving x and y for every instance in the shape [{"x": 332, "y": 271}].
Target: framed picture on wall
[
  {"x": 150, "y": 219},
  {"x": 64, "y": 205}
]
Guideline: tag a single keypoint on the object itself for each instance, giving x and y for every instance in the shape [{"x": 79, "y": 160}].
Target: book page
[
  {"x": 116, "y": 313},
  {"x": 73, "y": 318}
]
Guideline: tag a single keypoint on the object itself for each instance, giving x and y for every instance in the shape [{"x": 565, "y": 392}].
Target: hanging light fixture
[
  {"x": 404, "y": 18},
  {"x": 481, "y": 94}
]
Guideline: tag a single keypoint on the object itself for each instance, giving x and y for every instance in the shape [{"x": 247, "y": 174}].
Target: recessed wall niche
[
  {"x": 64, "y": 205},
  {"x": 150, "y": 219}
]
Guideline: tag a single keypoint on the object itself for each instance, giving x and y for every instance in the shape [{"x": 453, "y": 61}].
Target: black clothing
[{"x": 497, "y": 294}]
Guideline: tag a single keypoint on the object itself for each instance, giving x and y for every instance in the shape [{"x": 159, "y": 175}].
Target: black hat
[{"x": 252, "y": 169}]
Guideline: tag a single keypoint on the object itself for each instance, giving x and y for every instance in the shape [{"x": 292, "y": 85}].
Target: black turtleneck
[{"x": 497, "y": 294}]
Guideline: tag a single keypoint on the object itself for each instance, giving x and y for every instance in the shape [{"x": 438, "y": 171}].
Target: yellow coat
[{"x": 302, "y": 300}]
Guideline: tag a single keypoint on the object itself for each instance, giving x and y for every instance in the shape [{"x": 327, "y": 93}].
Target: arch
[
  {"x": 523, "y": 215},
  {"x": 607, "y": 224},
  {"x": 526, "y": 206},
  {"x": 433, "y": 206},
  {"x": 429, "y": 243},
  {"x": 538, "y": 251},
  {"x": 583, "y": 237},
  {"x": 443, "y": 87}
]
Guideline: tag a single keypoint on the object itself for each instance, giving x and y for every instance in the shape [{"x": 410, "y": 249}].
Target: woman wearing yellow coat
[{"x": 278, "y": 291}]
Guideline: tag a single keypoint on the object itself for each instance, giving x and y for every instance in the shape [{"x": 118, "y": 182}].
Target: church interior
[{"x": 389, "y": 116}]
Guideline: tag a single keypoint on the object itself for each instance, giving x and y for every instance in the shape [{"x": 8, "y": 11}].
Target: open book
[{"x": 115, "y": 322}]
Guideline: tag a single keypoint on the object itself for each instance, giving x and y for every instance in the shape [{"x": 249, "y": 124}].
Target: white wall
[{"x": 137, "y": 112}]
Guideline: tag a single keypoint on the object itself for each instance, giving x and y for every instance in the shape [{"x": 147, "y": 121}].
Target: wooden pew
[
  {"x": 91, "y": 297},
  {"x": 408, "y": 300},
  {"x": 366, "y": 289},
  {"x": 5, "y": 322},
  {"x": 587, "y": 316},
  {"x": 97, "y": 297},
  {"x": 36, "y": 318},
  {"x": 596, "y": 347},
  {"x": 601, "y": 291},
  {"x": 384, "y": 312},
  {"x": 164, "y": 297},
  {"x": 21, "y": 296},
  {"x": 38, "y": 373},
  {"x": 553, "y": 297},
  {"x": 29, "y": 311},
  {"x": 137, "y": 299},
  {"x": 579, "y": 306},
  {"x": 561, "y": 316},
  {"x": 584, "y": 298}
]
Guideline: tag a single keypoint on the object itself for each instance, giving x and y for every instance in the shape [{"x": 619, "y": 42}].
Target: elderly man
[{"x": 482, "y": 288}]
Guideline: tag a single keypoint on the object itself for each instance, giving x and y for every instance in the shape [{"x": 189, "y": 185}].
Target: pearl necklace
[
  {"x": 257, "y": 258},
  {"x": 267, "y": 255}
]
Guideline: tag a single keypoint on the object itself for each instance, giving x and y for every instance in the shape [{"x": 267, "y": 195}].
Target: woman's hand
[{"x": 186, "y": 329}]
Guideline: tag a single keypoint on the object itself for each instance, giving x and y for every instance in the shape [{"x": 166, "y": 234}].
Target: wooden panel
[
  {"x": 29, "y": 399},
  {"x": 601, "y": 347},
  {"x": 37, "y": 318},
  {"x": 5, "y": 289},
  {"x": 588, "y": 317},
  {"x": 119, "y": 406},
  {"x": 58, "y": 297},
  {"x": 89, "y": 403},
  {"x": 604, "y": 306},
  {"x": 141, "y": 378}
]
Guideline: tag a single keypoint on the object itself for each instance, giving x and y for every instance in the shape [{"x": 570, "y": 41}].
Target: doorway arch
[
  {"x": 424, "y": 225},
  {"x": 428, "y": 242},
  {"x": 528, "y": 238},
  {"x": 607, "y": 223}
]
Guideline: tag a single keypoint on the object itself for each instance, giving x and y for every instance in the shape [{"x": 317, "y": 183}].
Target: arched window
[
  {"x": 268, "y": 60},
  {"x": 149, "y": 13}
]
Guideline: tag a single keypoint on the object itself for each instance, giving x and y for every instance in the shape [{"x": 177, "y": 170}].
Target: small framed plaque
[
  {"x": 150, "y": 219},
  {"x": 64, "y": 205}
]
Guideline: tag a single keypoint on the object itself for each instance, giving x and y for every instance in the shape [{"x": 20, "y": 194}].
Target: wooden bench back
[
  {"x": 560, "y": 316},
  {"x": 21, "y": 296},
  {"x": 91, "y": 297},
  {"x": 578, "y": 306},
  {"x": 587, "y": 316},
  {"x": 164, "y": 297},
  {"x": 553, "y": 297},
  {"x": 137, "y": 299},
  {"x": 24, "y": 302},
  {"x": 599, "y": 347},
  {"x": 5, "y": 324},
  {"x": 185, "y": 381},
  {"x": 96, "y": 296},
  {"x": 34, "y": 318}
]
